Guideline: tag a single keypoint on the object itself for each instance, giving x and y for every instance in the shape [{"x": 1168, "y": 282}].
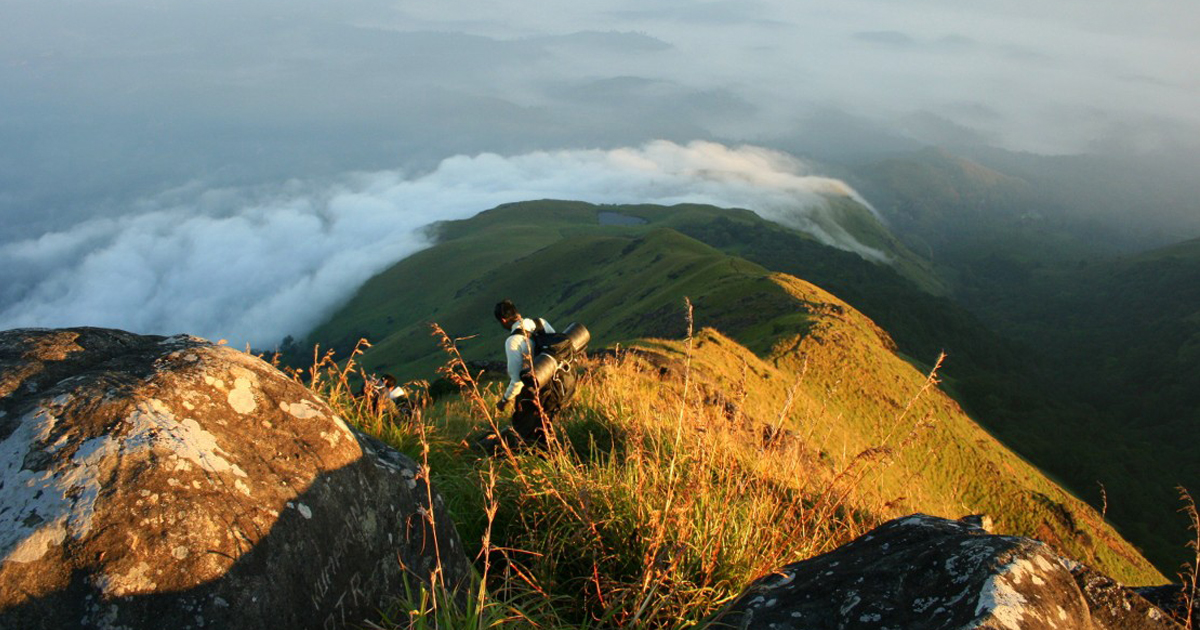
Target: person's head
[
  {"x": 389, "y": 381},
  {"x": 506, "y": 313}
]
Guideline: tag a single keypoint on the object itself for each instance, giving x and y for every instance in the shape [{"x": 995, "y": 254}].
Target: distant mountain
[
  {"x": 1131, "y": 201},
  {"x": 976, "y": 224},
  {"x": 995, "y": 215},
  {"x": 624, "y": 270}
]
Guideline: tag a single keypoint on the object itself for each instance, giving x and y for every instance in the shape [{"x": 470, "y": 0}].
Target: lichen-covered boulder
[
  {"x": 169, "y": 482},
  {"x": 932, "y": 573}
]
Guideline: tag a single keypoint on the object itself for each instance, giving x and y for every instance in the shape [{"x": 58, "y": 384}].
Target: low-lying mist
[
  {"x": 254, "y": 265},
  {"x": 108, "y": 101},
  {"x": 141, "y": 138}
]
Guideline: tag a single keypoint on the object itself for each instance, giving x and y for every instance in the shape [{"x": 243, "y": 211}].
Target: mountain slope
[
  {"x": 778, "y": 336},
  {"x": 1033, "y": 252},
  {"x": 852, "y": 395},
  {"x": 465, "y": 270},
  {"x": 1124, "y": 335},
  {"x": 477, "y": 261},
  {"x": 923, "y": 323}
]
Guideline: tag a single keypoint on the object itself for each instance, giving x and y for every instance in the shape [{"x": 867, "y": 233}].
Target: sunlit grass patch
[{"x": 686, "y": 468}]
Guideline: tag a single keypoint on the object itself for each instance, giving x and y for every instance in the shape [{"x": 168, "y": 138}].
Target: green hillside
[
  {"x": 456, "y": 281},
  {"x": 771, "y": 336},
  {"x": 1124, "y": 336},
  {"x": 583, "y": 272},
  {"x": 461, "y": 279},
  {"x": 481, "y": 258},
  {"x": 1033, "y": 253},
  {"x": 1129, "y": 324}
]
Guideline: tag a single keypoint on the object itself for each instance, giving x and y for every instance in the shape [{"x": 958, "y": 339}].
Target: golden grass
[
  {"x": 1190, "y": 573},
  {"x": 651, "y": 507},
  {"x": 685, "y": 469}
]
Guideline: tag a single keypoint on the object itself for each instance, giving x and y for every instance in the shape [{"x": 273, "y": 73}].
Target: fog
[
  {"x": 254, "y": 267},
  {"x": 145, "y": 143}
]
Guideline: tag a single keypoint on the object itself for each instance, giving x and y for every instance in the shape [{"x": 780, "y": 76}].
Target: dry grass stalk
[
  {"x": 491, "y": 505},
  {"x": 650, "y": 568},
  {"x": 457, "y": 371},
  {"x": 1191, "y": 571},
  {"x": 777, "y": 428}
]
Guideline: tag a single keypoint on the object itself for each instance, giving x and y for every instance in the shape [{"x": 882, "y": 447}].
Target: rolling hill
[{"x": 624, "y": 271}]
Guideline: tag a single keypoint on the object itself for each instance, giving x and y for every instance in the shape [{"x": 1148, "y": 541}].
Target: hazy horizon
[{"x": 168, "y": 142}]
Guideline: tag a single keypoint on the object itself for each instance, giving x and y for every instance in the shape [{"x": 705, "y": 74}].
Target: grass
[
  {"x": 1189, "y": 574},
  {"x": 687, "y": 468},
  {"x": 649, "y": 508},
  {"x": 597, "y": 273},
  {"x": 627, "y": 282}
]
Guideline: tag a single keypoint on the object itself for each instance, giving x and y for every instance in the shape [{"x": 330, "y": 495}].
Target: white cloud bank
[
  {"x": 106, "y": 101},
  {"x": 255, "y": 267}
]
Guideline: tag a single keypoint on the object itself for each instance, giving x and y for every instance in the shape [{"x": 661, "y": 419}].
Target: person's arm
[{"x": 513, "y": 351}]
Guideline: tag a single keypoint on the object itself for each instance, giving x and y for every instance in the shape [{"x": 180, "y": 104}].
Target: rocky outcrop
[
  {"x": 931, "y": 573},
  {"x": 169, "y": 482},
  {"x": 1173, "y": 599}
]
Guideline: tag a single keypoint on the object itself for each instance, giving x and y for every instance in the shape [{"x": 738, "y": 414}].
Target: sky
[{"x": 235, "y": 169}]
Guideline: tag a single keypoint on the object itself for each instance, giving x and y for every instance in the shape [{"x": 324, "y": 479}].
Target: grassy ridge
[
  {"x": 584, "y": 273},
  {"x": 627, "y": 283},
  {"x": 688, "y": 467},
  {"x": 478, "y": 259}
]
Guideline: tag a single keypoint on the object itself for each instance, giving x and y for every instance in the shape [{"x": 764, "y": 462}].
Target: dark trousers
[{"x": 528, "y": 419}]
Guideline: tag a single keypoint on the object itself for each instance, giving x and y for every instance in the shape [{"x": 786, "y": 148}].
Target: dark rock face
[
  {"x": 1171, "y": 598},
  {"x": 169, "y": 482},
  {"x": 931, "y": 573}
]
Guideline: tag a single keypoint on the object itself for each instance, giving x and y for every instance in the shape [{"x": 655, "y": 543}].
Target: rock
[
  {"x": 1171, "y": 598},
  {"x": 1114, "y": 606},
  {"x": 978, "y": 521},
  {"x": 932, "y": 573},
  {"x": 169, "y": 482}
]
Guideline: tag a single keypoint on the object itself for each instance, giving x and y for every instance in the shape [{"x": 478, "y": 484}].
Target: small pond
[{"x": 616, "y": 218}]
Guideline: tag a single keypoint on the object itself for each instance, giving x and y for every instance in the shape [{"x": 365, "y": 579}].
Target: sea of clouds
[
  {"x": 141, "y": 138},
  {"x": 254, "y": 265}
]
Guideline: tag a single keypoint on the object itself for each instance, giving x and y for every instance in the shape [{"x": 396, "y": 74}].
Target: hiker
[
  {"x": 518, "y": 351},
  {"x": 384, "y": 395}
]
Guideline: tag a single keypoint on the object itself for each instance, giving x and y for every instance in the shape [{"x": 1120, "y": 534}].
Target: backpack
[
  {"x": 554, "y": 355},
  {"x": 563, "y": 346}
]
